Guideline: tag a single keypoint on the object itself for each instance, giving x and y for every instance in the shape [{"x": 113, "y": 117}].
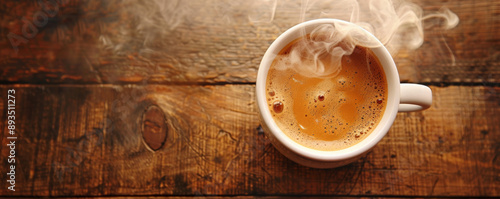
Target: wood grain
[
  {"x": 143, "y": 42},
  {"x": 145, "y": 98},
  {"x": 87, "y": 141}
]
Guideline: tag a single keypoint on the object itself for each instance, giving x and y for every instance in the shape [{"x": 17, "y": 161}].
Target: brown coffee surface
[{"x": 328, "y": 113}]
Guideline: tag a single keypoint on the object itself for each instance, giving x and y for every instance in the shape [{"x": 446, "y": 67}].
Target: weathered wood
[
  {"x": 145, "y": 42},
  {"x": 87, "y": 141},
  {"x": 106, "y": 140}
]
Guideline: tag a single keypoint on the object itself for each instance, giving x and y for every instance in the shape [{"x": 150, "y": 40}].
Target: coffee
[{"x": 329, "y": 112}]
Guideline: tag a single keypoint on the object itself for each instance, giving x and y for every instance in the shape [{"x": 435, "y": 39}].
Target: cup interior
[{"x": 381, "y": 128}]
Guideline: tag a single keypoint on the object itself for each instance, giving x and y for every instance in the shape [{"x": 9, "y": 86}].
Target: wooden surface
[{"x": 92, "y": 84}]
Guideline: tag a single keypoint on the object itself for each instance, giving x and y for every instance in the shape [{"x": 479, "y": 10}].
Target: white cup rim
[{"x": 328, "y": 156}]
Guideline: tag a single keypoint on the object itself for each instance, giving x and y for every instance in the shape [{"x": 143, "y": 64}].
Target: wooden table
[{"x": 95, "y": 78}]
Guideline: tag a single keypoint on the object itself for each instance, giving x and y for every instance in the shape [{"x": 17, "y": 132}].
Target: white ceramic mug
[{"x": 401, "y": 98}]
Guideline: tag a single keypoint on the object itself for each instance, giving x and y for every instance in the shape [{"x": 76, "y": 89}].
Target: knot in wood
[{"x": 154, "y": 127}]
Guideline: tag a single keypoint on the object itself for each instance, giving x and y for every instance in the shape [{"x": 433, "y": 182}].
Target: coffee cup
[{"x": 401, "y": 97}]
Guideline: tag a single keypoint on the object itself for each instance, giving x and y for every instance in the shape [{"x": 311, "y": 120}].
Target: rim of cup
[{"x": 361, "y": 147}]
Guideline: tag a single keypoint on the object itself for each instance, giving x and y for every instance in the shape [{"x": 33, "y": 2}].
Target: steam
[
  {"x": 396, "y": 24},
  {"x": 147, "y": 22},
  {"x": 319, "y": 53},
  {"x": 151, "y": 26}
]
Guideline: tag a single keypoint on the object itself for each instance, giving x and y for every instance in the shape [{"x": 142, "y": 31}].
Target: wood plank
[
  {"x": 87, "y": 141},
  {"x": 132, "y": 42}
]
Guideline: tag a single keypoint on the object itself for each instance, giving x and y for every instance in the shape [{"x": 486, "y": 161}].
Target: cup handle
[{"x": 414, "y": 97}]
